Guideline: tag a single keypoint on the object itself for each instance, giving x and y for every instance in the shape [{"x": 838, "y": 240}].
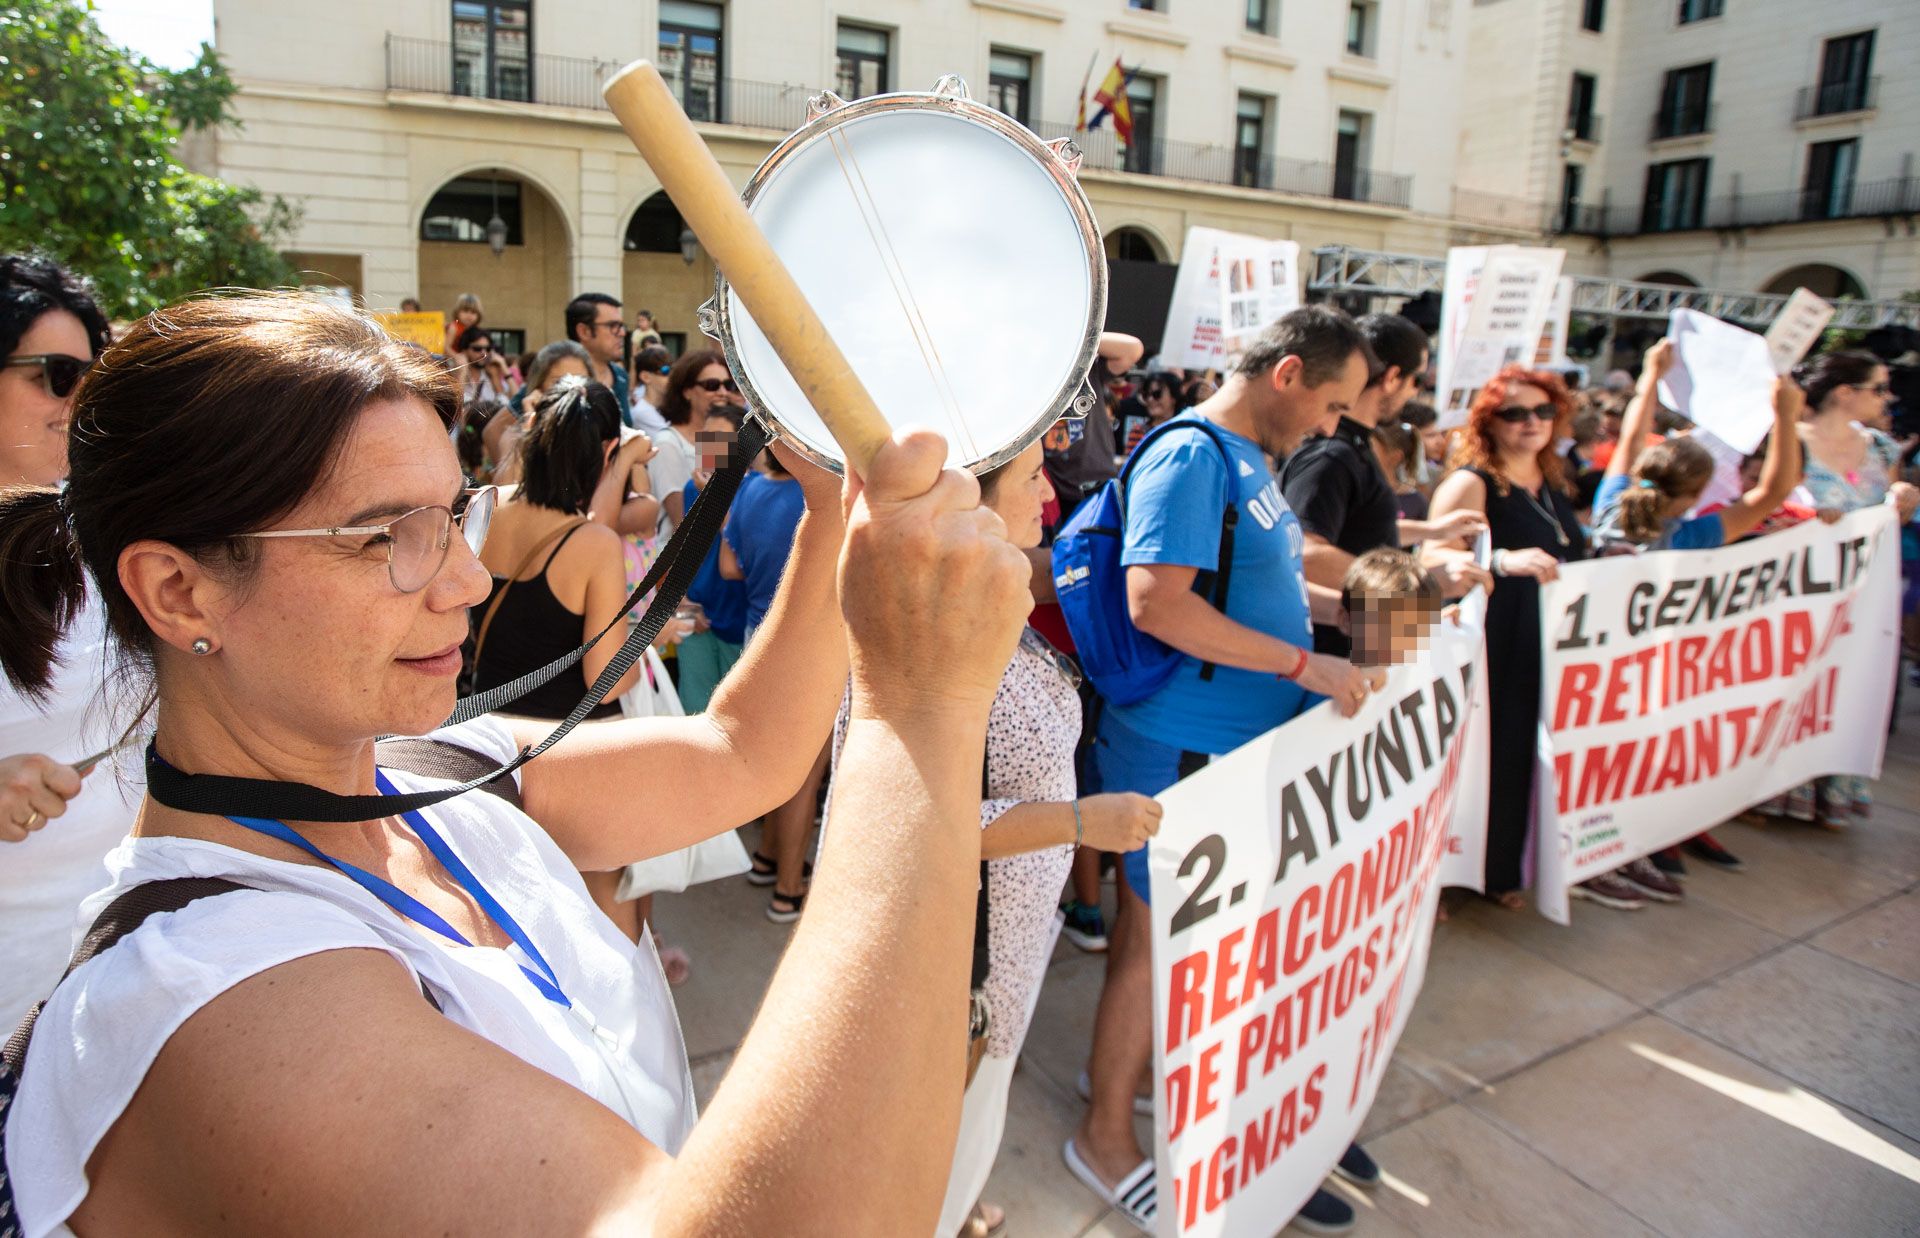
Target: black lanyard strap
[{"x": 679, "y": 561}]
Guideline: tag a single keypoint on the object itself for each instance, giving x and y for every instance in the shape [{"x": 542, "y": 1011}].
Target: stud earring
[{"x": 202, "y": 646}]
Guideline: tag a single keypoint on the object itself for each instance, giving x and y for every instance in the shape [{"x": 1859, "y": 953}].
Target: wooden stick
[{"x": 711, "y": 206}]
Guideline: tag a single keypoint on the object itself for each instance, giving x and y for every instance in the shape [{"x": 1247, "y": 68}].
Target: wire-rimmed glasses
[{"x": 416, "y": 541}]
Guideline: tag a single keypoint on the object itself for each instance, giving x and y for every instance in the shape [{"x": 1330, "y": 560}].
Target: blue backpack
[{"x": 1125, "y": 664}]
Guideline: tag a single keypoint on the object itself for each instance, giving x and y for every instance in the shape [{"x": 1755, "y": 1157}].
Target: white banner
[
  {"x": 1262, "y": 282},
  {"x": 1492, "y": 313},
  {"x": 1295, "y": 883},
  {"x": 1681, "y": 687}
]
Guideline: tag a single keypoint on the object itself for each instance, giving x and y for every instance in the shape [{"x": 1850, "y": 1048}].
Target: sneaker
[
  {"x": 1669, "y": 863},
  {"x": 1651, "y": 882},
  {"x": 1707, "y": 849},
  {"x": 1325, "y": 1213},
  {"x": 1609, "y": 891},
  {"x": 1085, "y": 927},
  {"x": 1357, "y": 1167}
]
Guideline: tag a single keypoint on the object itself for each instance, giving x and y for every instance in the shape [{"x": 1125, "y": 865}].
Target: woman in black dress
[{"x": 1506, "y": 466}]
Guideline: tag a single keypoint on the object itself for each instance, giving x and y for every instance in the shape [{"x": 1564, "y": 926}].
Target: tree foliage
[{"x": 90, "y": 171}]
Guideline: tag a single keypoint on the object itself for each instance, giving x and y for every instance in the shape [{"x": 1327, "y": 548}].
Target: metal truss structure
[{"x": 1344, "y": 269}]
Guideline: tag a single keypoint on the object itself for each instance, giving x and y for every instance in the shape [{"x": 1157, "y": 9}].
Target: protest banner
[
  {"x": 429, "y": 330},
  {"x": 1681, "y": 687},
  {"x": 1493, "y": 311},
  {"x": 1722, "y": 379},
  {"x": 1295, "y": 883},
  {"x": 1261, "y": 283}
]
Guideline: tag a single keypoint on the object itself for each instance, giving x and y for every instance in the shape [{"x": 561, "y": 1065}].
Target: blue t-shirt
[
  {"x": 725, "y": 601},
  {"x": 1699, "y": 533},
  {"x": 760, "y": 529},
  {"x": 1176, "y": 493}
]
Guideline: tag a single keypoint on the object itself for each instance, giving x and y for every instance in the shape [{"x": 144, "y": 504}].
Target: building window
[
  {"x": 462, "y": 208},
  {"x": 1684, "y": 102},
  {"x": 1010, "y": 84},
  {"x": 1571, "y": 177},
  {"x": 492, "y": 46},
  {"x": 1150, "y": 6},
  {"x": 1260, "y": 15},
  {"x": 1360, "y": 28},
  {"x": 864, "y": 53},
  {"x": 689, "y": 55},
  {"x": 1846, "y": 66},
  {"x": 1830, "y": 172},
  {"x": 1700, "y": 10},
  {"x": 1250, "y": 140},
  {"x": 1580, "y": 118},
  {"x": 1593, "y": 15},
  {"x": 1676, "y": 196},
  {"x": 1143, "y": 100},
  {"x": 1350, "y": 155}
]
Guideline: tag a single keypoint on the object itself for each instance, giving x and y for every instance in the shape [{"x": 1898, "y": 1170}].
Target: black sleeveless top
[{"x": 531, "y": 629}]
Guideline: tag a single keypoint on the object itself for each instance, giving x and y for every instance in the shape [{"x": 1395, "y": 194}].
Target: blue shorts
[{"x": 1125, "y": 760}]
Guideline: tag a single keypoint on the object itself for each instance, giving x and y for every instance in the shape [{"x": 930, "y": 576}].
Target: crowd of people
[{"x": 877, "y": 674}]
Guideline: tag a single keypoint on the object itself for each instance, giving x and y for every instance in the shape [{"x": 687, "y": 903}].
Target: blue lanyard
[{"x": 393, "y": 896}]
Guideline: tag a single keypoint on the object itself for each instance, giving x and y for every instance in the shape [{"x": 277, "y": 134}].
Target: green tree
[{"x": 89, "y": 171}]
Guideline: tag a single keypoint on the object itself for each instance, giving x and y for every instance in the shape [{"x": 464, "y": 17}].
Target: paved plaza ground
[{"x": 1745, "y": 1063}]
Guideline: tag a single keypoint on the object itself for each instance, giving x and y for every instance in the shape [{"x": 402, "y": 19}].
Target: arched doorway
[
  {"x": 1139, "y": 285},
  {"x": 1823, "y": 279},
  {"x": 524, "y": 288},
  {"x": 663, "y": 269},
  {"x": 1673, "y": 279}
]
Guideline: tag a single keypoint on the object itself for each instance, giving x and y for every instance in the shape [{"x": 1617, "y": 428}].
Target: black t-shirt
[
  {"x": 1336, "y": 488},
  {"x": 1079, "y": 456}
]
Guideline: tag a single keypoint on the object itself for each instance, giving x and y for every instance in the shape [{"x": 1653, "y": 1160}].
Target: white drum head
[{"x": 953, "y": 258}]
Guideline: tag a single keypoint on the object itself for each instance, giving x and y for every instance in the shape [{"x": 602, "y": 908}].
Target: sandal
[
  {"x": 765, "y": 870},
  {"x": 1133, "y": 1195},
  {"x": 983, "y": 1224},
  {"x": 785, "y": 908}
]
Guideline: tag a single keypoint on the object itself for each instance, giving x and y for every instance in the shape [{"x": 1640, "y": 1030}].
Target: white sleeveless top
[{"x": 620, "y": 1044}]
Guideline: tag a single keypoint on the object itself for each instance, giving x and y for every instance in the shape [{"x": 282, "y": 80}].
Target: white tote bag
[{"x": 723, "y": 855}]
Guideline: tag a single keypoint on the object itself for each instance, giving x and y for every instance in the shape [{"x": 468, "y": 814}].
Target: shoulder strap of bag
[
  {"x": 981, "y": 957},
  {"x": 493, "y": 607},
  {"x": 1216, "y": 581},
  {"x": 679, "y": 561},
  {"x": 439, "y": 758}
]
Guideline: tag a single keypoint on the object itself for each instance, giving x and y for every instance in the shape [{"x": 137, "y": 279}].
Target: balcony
[
  {"x": 428, "y": 66},
  {"x": 1584, "y": 128},
  {"x": 1683, "y": 122},
  {"x": 1870, "y": 200},
  {"x": 1860, "y": 94}
]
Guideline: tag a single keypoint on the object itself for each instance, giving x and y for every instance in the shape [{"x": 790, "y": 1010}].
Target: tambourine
[{"x": 950, "y": 253}]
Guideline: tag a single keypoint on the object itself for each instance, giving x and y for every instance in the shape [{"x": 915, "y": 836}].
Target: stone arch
[
  {"x": 1669, "y": 277},
  {"x": 1138, "y": 243},
  {"x": 655, "y": 276},
  {"x": 1823, "y": 279},
  {"x": 525, "y": 289}
]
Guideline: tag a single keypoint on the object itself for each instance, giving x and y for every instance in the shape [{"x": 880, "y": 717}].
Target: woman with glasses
[
  {"x": 698, "y": 381},
  {"x": 1506, "y": 467},
  {"x": 421, "y": 1022},
  {"x": 55, "y": 824}
]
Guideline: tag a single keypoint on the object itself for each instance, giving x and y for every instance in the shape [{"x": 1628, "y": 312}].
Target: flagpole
[{"x": 1080, "y": 118}]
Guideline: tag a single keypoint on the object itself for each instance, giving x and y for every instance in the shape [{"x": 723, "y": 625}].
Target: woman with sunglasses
[
  {"x": 1506, "y": 467},
  {"x": 484, "y": 376},
  {"x": 422, "y": 1023},
  {"x": 698, "y": 381},
  {"x": 55, "y": 824}
]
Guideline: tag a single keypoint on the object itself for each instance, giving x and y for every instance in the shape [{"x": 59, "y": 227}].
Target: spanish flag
[{"x": 1112, "y": 97}]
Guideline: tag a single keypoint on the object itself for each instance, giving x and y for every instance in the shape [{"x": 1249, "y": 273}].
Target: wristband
[
  {"x": 1497, "y": 563},
  {"x": 1298, "y": 667},
  {"x": 1079, "y": 827}
]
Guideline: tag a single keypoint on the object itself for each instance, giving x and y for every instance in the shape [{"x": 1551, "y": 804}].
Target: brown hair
[
  {"x": 209, "y": 418},
  {"x": 674, "y": 408},
  {"x": 1474, "y": 449},
  {"x": 1322, "y": 336},
  {"x": 1661, "y": 474},
  {"x": 1384, "y": 573}
]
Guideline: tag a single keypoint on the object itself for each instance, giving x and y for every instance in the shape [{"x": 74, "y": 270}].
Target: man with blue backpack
[{"x": 1182, "y": 581}]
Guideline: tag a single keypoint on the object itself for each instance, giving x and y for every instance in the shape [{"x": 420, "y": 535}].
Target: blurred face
[
  {"x": 33, "y": 419},
  {"x": 1299, "y": 410},
  {"x": 1397, "y": 390},
  {"x": 1021, "y": 495},
  {"x": 1434, "y": 440},
  {"x": 317, "y": 637},
  {"x": 1865, "y": 401},
  {"x": 1523, "y": 426},
  {"x": 606, "y": 337},
  {"x": 1388, "y": 630},
  {"x": 643, "y": 322},
  {"x": 712, "y": 442},
  {"x": 479, "y": 353},
  {"x": 467, "y": 317},
  {"x": 712, "y": 386},
  {"x": 1158, "y": 398}
]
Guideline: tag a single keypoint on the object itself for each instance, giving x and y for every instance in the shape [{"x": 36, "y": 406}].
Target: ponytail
[
  {"x": 1643, "y": 512},
  {"x": 1664, "y": 472},
  {"x": 42, "y": 584}
]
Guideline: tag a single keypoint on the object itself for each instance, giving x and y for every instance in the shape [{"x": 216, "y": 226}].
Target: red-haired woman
[{"x": 1506, "y": 466}]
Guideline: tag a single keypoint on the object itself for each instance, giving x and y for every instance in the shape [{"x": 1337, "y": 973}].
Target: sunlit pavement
[{"x": 1744, "y": 1063}]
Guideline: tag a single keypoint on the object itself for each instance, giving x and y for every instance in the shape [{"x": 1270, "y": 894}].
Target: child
[{"x": 1391, "y": 603}]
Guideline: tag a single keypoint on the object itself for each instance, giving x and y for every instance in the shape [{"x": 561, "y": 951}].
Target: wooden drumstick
[{"x": 711, "y": 206}]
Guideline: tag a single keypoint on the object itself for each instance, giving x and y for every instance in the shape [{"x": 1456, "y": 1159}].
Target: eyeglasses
[
  {"x": 57, "y": 370},
  {"x": 1872, "y": 388},
  {"x": 1514, "y": 414},
  {"x": 716, "y": 384},
  {"x": 416, "y": 541},
  {"x": 616, "y": 326}
]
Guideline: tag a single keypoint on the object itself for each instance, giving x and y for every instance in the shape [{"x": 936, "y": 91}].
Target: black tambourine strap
[{"x": 671, "y": 573}]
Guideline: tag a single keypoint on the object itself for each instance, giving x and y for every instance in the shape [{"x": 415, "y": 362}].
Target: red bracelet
[{"x": 1298, "y": 667}]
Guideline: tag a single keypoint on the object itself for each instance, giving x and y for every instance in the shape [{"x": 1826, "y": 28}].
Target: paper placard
[
  {"x": 1493, "y": 312},
  {"x": 429, "y": 330},
  {"x": 1721, "y": 380},
  {"x": 1229, "y": 288},
  {"x": 1796, "y": 329}
]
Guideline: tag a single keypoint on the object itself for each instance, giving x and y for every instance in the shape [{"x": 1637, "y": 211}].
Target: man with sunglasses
[{"x": 594, "y": 322}]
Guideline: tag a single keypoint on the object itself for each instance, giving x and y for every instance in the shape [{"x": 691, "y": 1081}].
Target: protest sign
[
  {"x": 1492, "y": 314},
  {"x": 1799, "y": 325},
  {"x": 1681, "y": 687},
  {"x": 1551, "y": 352},
  {"x": 1295, "y": 882},
  {"x": 1229, "y": 287},
  {"x": 429, "y": 330},
  {"x": 1192, "y": 339},
  {"x": 1721, "y": 380}
]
